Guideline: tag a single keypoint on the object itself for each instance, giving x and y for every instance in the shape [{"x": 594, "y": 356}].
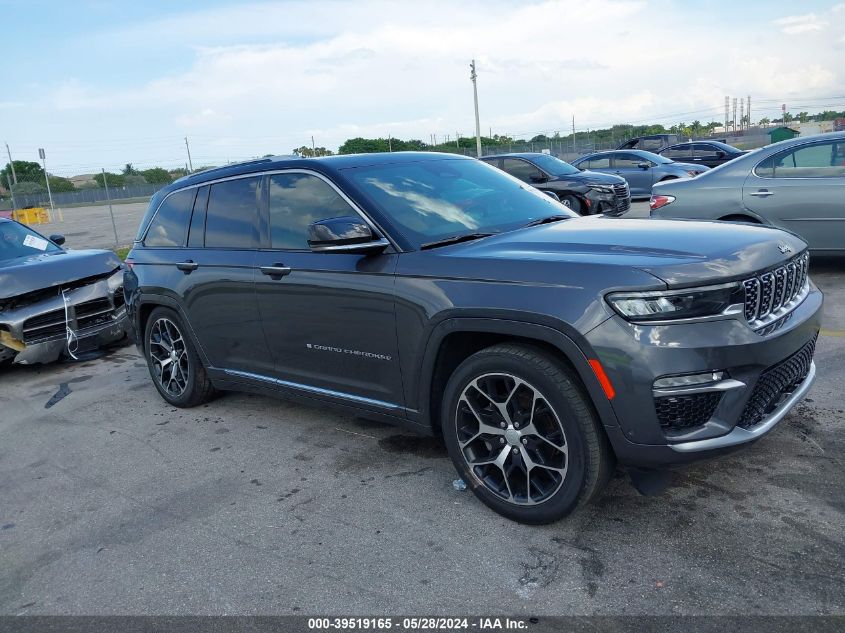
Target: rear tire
[
  {"x": 173, "y": 362},
  {"x": 551, "y": 455}
]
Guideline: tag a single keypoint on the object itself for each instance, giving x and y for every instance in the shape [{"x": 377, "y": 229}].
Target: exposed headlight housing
[
  {"x": 602, "y": 189},
  {"x": 672, "y": 305}
]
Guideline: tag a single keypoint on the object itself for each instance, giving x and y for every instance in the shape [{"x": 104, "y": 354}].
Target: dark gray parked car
[
  {"x": 54, "y": 302},
  {"x": 436, "y": 292},
  {"x": 641, "y": 169},
  {"x": 798, "y": 185}
]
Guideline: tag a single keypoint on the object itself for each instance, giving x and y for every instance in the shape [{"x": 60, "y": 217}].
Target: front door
[
  {"x": 328, "y": 318},
  {"x": 639, "y": 178},
  {"x": 803, "y": 190}
]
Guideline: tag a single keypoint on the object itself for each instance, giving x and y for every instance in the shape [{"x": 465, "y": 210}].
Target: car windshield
[
  {"x": 18, "y": 241},
  {"x": 436, "y": 199},
  {"x": 553, "y": 166}
]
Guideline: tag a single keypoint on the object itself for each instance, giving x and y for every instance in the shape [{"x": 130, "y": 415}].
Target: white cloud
[{"x": 263, "y": 78}]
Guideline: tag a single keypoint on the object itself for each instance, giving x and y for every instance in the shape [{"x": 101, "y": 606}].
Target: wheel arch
[
  {"x": 455, "y": 339},
  {"x": 145, "y": 306}
]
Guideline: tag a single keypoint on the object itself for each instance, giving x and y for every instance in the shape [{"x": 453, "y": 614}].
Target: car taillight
[{"x": 658, "y": 201}]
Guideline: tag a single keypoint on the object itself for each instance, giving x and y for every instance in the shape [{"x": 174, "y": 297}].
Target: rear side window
[
  {"x": 599, "y": 162},
  {"x": 824, "y": 160},
  {"x": 196, "y": 236},
  {"x": 170, "y": 224},
  {"x": 297, "y": 200},
  {"x": 232, "y": 215}
]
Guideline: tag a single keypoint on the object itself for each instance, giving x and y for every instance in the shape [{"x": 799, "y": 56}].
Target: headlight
[
  {"x": 601, "y": 189},
  {"x": 678, "y": 304}
]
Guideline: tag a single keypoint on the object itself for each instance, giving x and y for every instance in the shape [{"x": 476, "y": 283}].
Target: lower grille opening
[
  {"x": 775, "y": 384},
  {"x": 680, "y": 413}
]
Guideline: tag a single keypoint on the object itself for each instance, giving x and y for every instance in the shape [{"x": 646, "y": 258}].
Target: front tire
[
  {"x": 522, "y": 434},
  {"x": 175, "y": 367},
  {"x": 572, "y": 203}
]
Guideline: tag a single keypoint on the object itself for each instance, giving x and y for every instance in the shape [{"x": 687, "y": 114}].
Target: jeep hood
[
  {"x": 679, "y": 252},
  {"x": 27, "y": 274}
]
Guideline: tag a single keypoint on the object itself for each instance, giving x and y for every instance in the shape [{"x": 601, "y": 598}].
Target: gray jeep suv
[{"x": 439, "y": 293}]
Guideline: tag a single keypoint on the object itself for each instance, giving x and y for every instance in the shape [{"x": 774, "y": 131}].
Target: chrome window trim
[
  {"x": 793, "y": 148},
  {"x": 270, "y": 172}
]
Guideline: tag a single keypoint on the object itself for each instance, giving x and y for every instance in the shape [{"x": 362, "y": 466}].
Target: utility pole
[
  {"x": 573, "y": 134},
  {"x": 389, "y": 143},
  {"x": 748, "y": 111},
  {"x": 457, "y": 140},
  {"x": 741, "y": 114},
  {"x": 111, "y": 211},
  {"x": 474, "y": 77},
  {"x": 313, "y": 147},
  {"x": 190, "y": 162},
  {"x": 12, "y": 164},
  {"x": 43, "y": 158},
  {"x": 727, "y": 111},
  {"x": 734, "y": 125}
]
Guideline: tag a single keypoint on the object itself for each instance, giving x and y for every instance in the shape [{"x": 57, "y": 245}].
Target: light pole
[
  {"x": 43, "y": 158},
  {"x": 474, "y": 76},
  {"x": 190, "y": 162}
]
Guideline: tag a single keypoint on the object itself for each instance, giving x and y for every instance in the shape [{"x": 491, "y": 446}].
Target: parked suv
[
  {"x": 437, "y": 292},
  {"x": 585, "y": 192}
]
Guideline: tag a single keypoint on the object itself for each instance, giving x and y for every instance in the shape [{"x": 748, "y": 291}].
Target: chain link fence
[{"x": 90, "y": 196}]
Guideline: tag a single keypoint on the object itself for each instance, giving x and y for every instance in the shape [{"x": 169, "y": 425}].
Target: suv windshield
[
  {"x": 432, "y": 200},
  {"x": 553, "y": 166},
  {"x": 18, "y": 241}
]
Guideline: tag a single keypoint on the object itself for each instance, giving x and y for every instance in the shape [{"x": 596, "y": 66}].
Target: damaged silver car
[{"x": 55, "y": 302}]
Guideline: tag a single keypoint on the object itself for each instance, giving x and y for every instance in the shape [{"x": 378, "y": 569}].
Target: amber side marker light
[{"x": 604, "y": 381}]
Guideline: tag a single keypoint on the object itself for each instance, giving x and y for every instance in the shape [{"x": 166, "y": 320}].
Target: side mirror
[
  {"x": 348, "y": 234},
  {"x": 644, "y": 165},
  {"x": 552, "y": 195},
  {"x": 57, "y": 239},
  {"x": 720, "y": 154}
]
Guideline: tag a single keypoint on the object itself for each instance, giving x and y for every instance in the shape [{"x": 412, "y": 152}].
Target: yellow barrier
[{"x": 35, "y": 215}]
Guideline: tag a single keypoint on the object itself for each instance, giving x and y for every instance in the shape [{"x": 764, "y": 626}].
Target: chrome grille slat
[{"x": 771, "y": 295}]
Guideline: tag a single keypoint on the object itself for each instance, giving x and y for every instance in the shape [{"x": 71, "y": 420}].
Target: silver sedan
[{"x": 797, "y": 185}]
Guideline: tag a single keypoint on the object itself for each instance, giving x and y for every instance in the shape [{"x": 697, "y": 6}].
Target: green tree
[
  {"x": 129, "y": 170},
  {"x": 132, "y": 180},
  {"x": 60, "y": 185},
  {"x": 765, "y": 121},
  {"x": 26, "y": 188},
  {"x": 308, "y": 152},
  {"x": 803, "y": 117},
  {"x": 25, "y": 171},
  {"x": 113, "y": 180},
  {"x": 157, "y": 176}
]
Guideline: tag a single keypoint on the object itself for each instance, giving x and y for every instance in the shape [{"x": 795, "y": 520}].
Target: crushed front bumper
[{"x": 37, "y": 332}]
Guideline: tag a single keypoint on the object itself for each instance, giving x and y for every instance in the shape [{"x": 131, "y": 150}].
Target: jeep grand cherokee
[{"x": 436, "y": 292}]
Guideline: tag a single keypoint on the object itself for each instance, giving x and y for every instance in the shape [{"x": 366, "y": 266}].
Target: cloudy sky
[{"x": 104, "y": 83}]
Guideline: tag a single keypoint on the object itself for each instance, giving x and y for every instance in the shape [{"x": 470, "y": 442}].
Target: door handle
[
  {"x": 763, "y": 193},
  {"x": 276, "y": 271},
  {"x": 187, "y": 266}
]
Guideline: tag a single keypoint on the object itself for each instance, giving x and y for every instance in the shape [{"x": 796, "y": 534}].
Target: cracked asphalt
[{"x": 112, "y": 502}]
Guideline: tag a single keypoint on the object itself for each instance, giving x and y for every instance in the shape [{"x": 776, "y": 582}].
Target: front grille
[
  {"x": 678, "y": 413},
  {"x": 83, "y": 316},
  {"x": 773, "y": 294},
  {"x": 623, "y": 196},
  {"x": 775, "y": 383}
]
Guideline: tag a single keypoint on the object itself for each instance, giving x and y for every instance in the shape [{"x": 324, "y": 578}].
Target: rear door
[
  {"x": 803, "y": 190},
  {"x": 639, "y": 179},
  {"x": 328, "y": 318},
  {"x": 219, "y": 274}
]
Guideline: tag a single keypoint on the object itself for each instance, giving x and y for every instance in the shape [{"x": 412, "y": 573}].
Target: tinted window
[
  {"x": 196, "y": 235},
  {"x": 553, "y": 165},
  {"x": 599, "y": 162},
  {"x": 824, "y": 160},
  {"x": 297, "y": 200},
  {"x": 521, "y": 169},
  {"x": 679, "y": 151},
  {"x": 232, "y": 216},
  {"x": 706, "y": 150},
  {"x": 432, "y": 199},
  {"x": 18, "y": 241},
  {"x": 627, "y": 161},
  {"x": 170, "y": 224}
]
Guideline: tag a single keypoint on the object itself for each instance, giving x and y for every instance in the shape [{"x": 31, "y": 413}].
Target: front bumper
[
  {"x": 634, "y": 356},
  {"x": 37, "y": 332}
]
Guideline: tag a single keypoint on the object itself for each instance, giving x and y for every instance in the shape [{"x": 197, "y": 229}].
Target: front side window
[
  {"x": 681, "y": 151},
  {"x": 170, "y": 224},
  {"x": 430, "y": 200},
  {"x": 823, "y": 160},
  {"x": 16, "y": 240},
  {"x": 627, "y": 161},
  {"x": 296, "y": 201},
  {"x": 232, "y": 215},
  {"x": 521, "y": 169}
]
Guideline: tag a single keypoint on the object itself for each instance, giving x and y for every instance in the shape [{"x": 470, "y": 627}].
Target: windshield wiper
[
  {"x": 455, "y": 239},
  {"x": 547, "y": 220}
]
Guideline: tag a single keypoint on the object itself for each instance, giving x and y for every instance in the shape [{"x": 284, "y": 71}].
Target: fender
[
  {"x": 577, "y": 356},
  {"x": 168, "y": 302}
]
